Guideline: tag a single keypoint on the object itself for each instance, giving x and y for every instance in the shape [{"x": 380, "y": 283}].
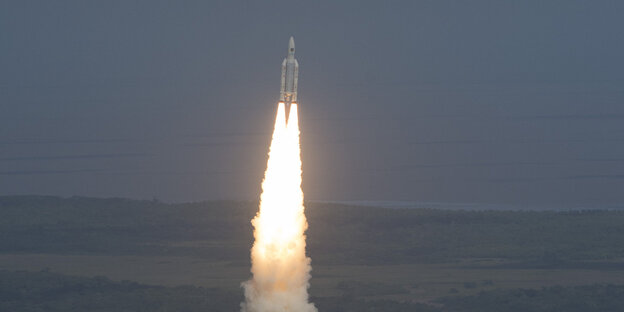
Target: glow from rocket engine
[{"x": 280, "y": 268}]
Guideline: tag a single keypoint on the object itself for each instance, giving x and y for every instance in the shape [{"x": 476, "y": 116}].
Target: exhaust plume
[{"x": 280, "y": 268}]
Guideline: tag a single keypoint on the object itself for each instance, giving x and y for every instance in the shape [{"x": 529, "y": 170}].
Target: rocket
[{"x": 290, "y": 73}]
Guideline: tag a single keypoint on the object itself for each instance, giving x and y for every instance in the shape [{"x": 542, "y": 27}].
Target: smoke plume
[{"x": 280, "y": 268}]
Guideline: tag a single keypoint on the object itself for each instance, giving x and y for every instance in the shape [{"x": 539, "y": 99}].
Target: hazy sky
[{"x": 456, "y": 101}]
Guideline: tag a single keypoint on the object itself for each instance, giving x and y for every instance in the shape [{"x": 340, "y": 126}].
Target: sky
[{"x": 511, "y": 102}]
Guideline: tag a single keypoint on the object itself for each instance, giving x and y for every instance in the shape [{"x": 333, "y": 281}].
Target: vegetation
[
  {"x": 338, "y": 234},
  {"x": 51, "y": 292},
  {"x": 603, "y": 298},
  {"x": 364, "y": 258}
]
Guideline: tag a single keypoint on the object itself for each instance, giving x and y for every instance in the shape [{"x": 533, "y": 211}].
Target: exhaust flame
[{"x": 281, "y": 270}]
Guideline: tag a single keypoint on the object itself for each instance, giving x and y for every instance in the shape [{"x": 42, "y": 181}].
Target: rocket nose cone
[{"x": 291, "y": 44}]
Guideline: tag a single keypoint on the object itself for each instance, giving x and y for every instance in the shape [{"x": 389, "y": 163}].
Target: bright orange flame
[{"x": 280, "y": 268}]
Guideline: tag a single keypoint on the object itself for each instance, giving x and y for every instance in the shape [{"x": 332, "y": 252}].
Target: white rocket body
[{"x": 290, "y": 73}]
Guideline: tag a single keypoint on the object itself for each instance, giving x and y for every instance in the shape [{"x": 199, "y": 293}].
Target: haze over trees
[{"x": 418, "y": 246}]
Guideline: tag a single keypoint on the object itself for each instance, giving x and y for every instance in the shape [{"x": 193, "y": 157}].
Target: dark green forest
[
  {"x": 51, "y": 292},
  {"x": 339, "y": 236},
  {"x": 336, "y": 233}
]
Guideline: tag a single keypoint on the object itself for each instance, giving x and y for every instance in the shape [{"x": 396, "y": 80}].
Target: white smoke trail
[{"x": 281, "y": 270}]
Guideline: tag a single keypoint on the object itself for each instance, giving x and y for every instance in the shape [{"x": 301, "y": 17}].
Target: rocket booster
[{"x": 290, "y": 73}]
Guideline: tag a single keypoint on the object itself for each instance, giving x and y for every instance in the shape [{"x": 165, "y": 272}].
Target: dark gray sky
[{"x": 457, "y": 101}]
